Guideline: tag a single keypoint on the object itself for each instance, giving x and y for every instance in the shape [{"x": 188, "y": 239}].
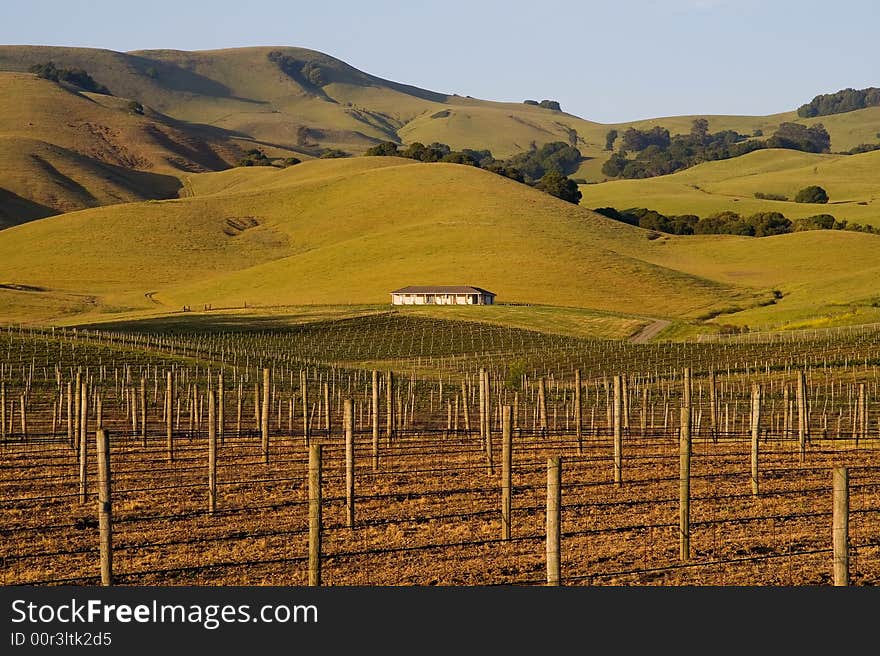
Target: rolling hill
[
  {"x": 851, "y": 181},
  {"x": 63, "y": 150},
  {"x": 286, "y": 99},
  {"x": 347, "y": 231},
  {"x": 340, "y": 231}
]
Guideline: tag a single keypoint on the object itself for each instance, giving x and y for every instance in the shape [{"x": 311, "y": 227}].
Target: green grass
[
  {"x": 342, "y": 231},
  {"x": 730, "y": 185}
]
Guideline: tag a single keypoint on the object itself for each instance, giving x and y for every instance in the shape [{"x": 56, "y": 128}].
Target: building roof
[{"x": 441, "y": 289}]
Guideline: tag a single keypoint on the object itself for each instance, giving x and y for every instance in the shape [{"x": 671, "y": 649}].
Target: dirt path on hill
[{"x": 650, "y": 331}]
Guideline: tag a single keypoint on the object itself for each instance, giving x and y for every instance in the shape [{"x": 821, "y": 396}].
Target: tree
[
  {"x": 813, "y": 139},
  {"x": 556, "y": 184},
  {"x": 551, "y": 104},
  {"x": 765, "y": 224},
  {"x": 700, "y": 130},
  {"x": 75, "y": 76},
  {"x": 610, "y": 138},
  {"x": 811, "y": 194},
  {"x": 384, "y": 149}
]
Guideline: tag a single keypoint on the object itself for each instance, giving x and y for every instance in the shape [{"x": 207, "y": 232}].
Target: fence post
[
  {"x": 212, "y": 453},
  {"x": 618, "y": 430},
  {"x": 221, "y": 409},
  {"x": 264, "y": 417},
  {"x": 577, "y": 411},
  {"x": 304, "y": 387},
  {"x": 756, "y": 433},
  {"x": 465, "y": 409},
  {"x": 840, "y": 525},
  {"x": 3, "y": 412},
  {"x": 490, "y": 463},
  {"x": 143, "y": 408},
  {"x": 803, "y": 417},
  {"x": 506, "y": 461},
  {"x": 389, "y": 393},
  {"x": 554, "y": 502},
  {"x": 104, "y": 506},
  {"x": 684, "y": 519},
  {"x": 713, "y": 406},
  {"x": 348, "y": 413},
  {"x": 542, "y": 406},
  {"x": 375, "y": 420},
  {"x": 169, "y": 411},
  {"x": 83, "y": 445},
  {"x": 315, "y": 515}
]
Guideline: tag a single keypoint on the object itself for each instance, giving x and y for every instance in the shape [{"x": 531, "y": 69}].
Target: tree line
[
  {"x": 845, "y": 100},
  {"x": 546, "y": 167},
  {"x": 75, "y": 76},
  {"x": 657, "y": 152},
  {"x": 760, "y": 224}
]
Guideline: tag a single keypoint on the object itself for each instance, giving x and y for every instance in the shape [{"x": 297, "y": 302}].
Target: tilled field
[{"x": 430, "y": 515}]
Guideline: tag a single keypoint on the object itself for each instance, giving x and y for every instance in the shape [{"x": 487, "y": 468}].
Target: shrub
[
  {"x": 762, "y": 196},
  {"x": 811, "y": 194}
]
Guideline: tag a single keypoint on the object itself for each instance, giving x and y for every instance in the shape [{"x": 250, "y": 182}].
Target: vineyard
[{"x": 398, "y": 450}]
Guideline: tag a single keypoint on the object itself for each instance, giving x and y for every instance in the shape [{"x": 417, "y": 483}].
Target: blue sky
[{"x": 606, "y": 60}]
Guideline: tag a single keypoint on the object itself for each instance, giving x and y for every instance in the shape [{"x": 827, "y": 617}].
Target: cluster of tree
[
  {"x": 810, "y": 194},
  {"x": 556, "y": 156},
  {"x": 544, "y": 168},
  {"x": 307, "y": 73},
  {"x": 659, "y": 153},
  {"x": 75, "y": 76},
  {"x": 256, "y": 157},
  {"x": 863, "y": 148},
  {"x": 761, "y": 224},
  {"x": 845, "y": 100},
  {"x": 546, "y": 104}
]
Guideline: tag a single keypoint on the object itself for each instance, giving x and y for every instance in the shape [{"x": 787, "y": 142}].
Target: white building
[{"x": 440, "y": 295}]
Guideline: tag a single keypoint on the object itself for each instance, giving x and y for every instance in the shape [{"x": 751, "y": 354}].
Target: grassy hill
[
  {"x": 63, "y": 150},
  {"x": 852, "y": 183},
  {"x": 299, "y": 100},
  {"x": 349, "y": 231}
]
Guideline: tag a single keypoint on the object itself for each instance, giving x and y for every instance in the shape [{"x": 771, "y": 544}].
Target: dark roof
[{"x": 440, "y": 289}]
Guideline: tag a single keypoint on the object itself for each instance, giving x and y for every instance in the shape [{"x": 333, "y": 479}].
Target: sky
[{"x": 604, "y": 60}]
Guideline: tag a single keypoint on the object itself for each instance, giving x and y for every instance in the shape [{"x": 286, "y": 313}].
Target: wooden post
[
  {"x": 617, "y": 404},
  {"x": 83, "y": 445},
  {"x": 713, "y": 406},
  {"x": 506, "y": 461},
  {"x": 803, "y": 414},
  {"x": 375, "y": 417},
  {"x": 482, "y": 387},
  {"x": 389, "y": 393},
  {"x": 221, "y": 409},
  {"x": 840, "y": 525},
  {"x": 264, "y": 417},
  {"x": 304, "y": 387},
  {"x": 861, "y": 415},
  {"x": 3, "y": 412},
  {"x": 348, "y": 414},
  {"x": 465, "y": 410},
  {"x": 143, "y": 408},
  {"x": 542, "y": 405},
  {"x": 212, "y": 453},
  {"x": 77, "y": 411},
  {"x": 105, "y": 513},
  {"x": 327, "y": 408},
  {"x": 169, "y": 410},
  {"x": 490, "y": 463},
  {"x": 577, "y": 411},
  {"x": 315, "y": 514},
  {"x": 554, "y": 503},
  {"x": 22, "y": 405},
  {"x": 684, "y": 485},
  {"x": 756, "y": 433}
]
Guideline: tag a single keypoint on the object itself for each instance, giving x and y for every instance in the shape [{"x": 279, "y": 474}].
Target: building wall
[{"x": 441, "y": 299}]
